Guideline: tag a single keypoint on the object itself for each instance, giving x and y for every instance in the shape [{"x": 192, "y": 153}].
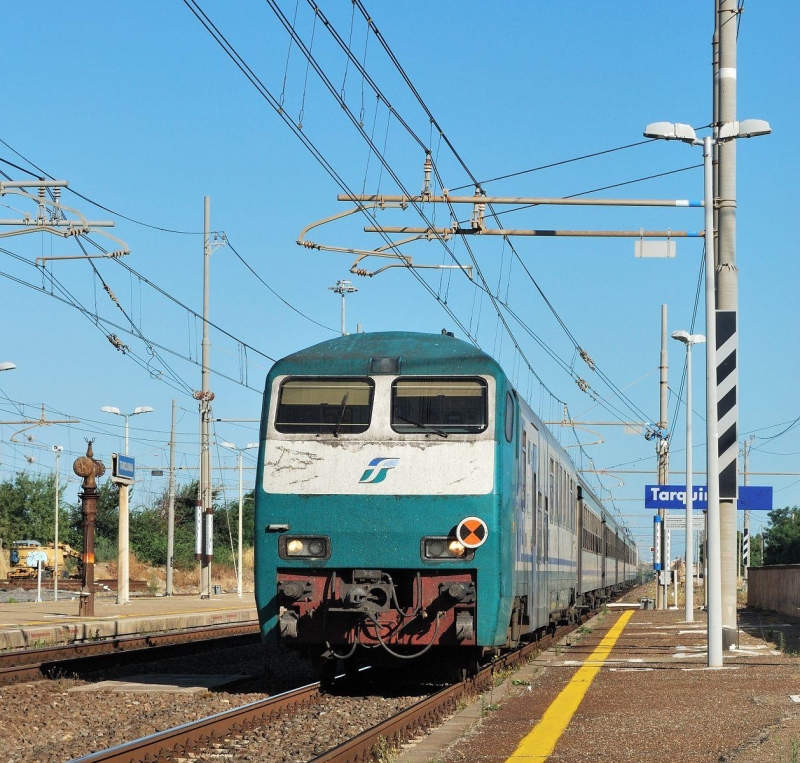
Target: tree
[
  {"x": 27, "y": 509},
  {"x": 782, "y": 536},
  {"x": 149, "y": 528},
  {"x": 757, "y": 550}
]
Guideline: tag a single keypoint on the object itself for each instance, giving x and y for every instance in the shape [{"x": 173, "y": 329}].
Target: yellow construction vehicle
[{"x": 26, "y": 555}]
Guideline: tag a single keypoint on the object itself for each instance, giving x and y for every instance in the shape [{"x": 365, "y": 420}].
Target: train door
[
  {"x": 603, "y": 552},
  {"x": 533, "y": 519},
  {"x": 617, "y": 551},
  {"x": 542, "y": 533},
  {"x": 579, "y": 536}
]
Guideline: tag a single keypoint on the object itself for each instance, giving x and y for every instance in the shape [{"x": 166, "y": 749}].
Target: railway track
[
  {"x": 34, "y": 664},
  {"x": 70, "y": 584},
  {"x": 192, "y": 738}
]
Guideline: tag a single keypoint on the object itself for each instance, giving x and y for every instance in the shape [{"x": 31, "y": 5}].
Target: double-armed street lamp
[
  {"x": 747, "y": 128},
  {"x": 689, "y": 340},
  {"x": 231, "y": 446},
  {"x": 57, "y": 449},
  {"x": 343, "y": 287},
  {"x": 123, "y": 557}
]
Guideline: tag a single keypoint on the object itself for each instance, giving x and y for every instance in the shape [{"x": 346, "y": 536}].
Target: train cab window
[
  {"x": 509, "y": 417},
  {"x": 324, "y": 406},
  {"x": 439, "y": 406}
]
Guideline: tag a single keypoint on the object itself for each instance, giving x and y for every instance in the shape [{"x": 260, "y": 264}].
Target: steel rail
[
  {"x": 433, "y": 710},
  {"x": 191, "y": 736},
  {"x": 194, "y": 736},
  {"x": 33, "y": 664}
]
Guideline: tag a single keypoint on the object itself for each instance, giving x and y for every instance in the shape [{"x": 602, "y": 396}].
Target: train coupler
[
  {"x": 288, "y": 624},
  {"x": 465, "y": 626}
]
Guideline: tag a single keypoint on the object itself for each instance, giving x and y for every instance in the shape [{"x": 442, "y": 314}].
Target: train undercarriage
[{"x": 341, "y": 619}]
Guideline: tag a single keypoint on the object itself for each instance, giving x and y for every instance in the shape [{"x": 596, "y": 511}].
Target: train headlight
[
  {"x": 294, "y": 547},
  {"x": 304, "y": 547},
  {"x": 456, "y": 548},
  {"x": 444, "y": 548}
]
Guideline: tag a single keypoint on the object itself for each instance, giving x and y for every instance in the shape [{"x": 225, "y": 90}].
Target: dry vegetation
[{"x": 183, "y": 580}]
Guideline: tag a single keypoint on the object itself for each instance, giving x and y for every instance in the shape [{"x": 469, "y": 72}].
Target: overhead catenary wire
[{"x": 463, "y": 164}]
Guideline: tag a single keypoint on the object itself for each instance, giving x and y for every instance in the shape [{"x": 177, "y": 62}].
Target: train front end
[{"x": 378, "y": 526}]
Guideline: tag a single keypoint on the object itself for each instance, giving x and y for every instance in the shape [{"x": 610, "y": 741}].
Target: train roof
[{"x": 418, "y": 354}]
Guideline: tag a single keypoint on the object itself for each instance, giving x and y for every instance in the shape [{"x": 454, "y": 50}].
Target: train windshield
[
  {"x": 324, "y": 406},
  {"x": 440, "y": 406}
]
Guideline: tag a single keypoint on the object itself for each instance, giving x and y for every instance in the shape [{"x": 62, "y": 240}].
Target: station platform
[
  {"x": 31, "y": 624},
  {"x": 632, "y": 685}
]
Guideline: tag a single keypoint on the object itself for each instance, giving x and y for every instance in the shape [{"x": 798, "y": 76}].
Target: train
[{"x": 409, "y": 503}]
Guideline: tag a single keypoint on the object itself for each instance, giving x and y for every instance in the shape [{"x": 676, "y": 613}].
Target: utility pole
[
  {"x": 343, "y": 287},
  {"x": 205, "y": 525},
  {"x": 727, "y": 304},
  {"x": 171, "y": 506},
  {"x": 204, "y": 511},
  {"x": 662, "y": 452}
]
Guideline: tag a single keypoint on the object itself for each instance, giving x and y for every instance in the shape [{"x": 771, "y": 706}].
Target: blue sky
[{"x": 143, "y": 113}]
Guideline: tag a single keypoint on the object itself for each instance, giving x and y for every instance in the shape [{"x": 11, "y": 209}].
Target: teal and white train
[{"x": 408, "y": 502}]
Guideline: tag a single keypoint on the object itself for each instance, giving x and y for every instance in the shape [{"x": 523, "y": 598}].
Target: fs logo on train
[
  {"x": 378, "y": 469},
  {"x": 472, "y": 532}
]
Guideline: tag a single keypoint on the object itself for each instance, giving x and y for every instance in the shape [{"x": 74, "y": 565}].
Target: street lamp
[
  {"x": 747, "y": 128},
  {"x": 689, "y": 340},
  {"x": 7, "y": 366},
  {"x": 123, "y": 556},
  {"x": 57, "y": 449},
  {"x": 231, "y": 446},
  {"x": 343, "y": 287}
]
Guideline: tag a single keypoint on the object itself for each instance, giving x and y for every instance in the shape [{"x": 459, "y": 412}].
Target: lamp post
[
  {"x": 343, "y": 287},
  {"x": 57, "y": 449},
  {"x": 123, "y": 555},
  {"x": 689, "y": 339},
  {"x": 5, "y": 366},
  {"x": 747, "y": 128},
  {"x": 231, "y": 446}
]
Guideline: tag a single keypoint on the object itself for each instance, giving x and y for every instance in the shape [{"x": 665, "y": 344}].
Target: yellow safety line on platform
[{"x": 540, "y": 743}]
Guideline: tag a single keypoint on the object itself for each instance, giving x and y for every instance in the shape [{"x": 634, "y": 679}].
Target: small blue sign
[
  {"x": 125, "y": 467},
  {"x": 751, "y": 497}
]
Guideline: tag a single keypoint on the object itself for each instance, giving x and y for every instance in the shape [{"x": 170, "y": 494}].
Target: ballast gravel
[{"x": 43, "y": 722}]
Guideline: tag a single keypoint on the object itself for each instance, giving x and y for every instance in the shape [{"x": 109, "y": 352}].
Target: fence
[{"x": 775, "y": 588}]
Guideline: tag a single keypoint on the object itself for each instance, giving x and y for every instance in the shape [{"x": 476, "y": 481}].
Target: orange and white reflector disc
[{"x": 472, "y": 532}]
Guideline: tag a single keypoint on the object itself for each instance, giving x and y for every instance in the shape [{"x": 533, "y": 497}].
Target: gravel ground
[
  {"x": 663, "y": 706},
  {"x": 20, "y": 595},
  {"x": 43, "y": 722}
]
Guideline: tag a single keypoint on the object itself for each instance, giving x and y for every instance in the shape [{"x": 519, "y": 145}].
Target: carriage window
[
  {"x": 324, "y": 406},
  {"x": 439, "y": 406}
]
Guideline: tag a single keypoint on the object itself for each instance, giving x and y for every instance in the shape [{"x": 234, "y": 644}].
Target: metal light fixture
[
  {"x": 123, "y": 550},
  {"x": 689, "y": 340},
  {"x": 747, "y": 128}
]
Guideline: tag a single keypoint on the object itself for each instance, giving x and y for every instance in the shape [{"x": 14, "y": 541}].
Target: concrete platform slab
[
  {"x": 30, "y": 625},
  {"x": 160, "y": 684}
]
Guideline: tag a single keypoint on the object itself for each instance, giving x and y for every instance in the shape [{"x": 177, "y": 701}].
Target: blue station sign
[
  {"x": 751, "y": 497},
  {"x": 125, "y": 467}
]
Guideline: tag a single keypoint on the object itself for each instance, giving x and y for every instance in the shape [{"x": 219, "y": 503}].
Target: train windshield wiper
[
  {"x": 341, "y": 415},
  {"x": 424, "y": 427}
]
